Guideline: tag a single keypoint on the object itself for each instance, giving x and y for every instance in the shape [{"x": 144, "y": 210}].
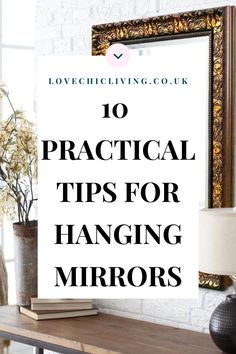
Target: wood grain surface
[{"x": 104, "y": 334}]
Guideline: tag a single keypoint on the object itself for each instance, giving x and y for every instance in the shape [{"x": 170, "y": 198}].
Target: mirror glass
[{"x": 181, "y": 47}]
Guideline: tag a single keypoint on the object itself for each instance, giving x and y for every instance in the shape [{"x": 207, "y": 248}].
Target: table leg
[{"x": 39, "y": 351}]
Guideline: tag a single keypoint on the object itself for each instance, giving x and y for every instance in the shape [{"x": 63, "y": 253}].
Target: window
[{"x": 17, "y": 69}]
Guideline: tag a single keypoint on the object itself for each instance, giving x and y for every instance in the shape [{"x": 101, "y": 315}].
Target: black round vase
[{"x": 223, "y": 325}]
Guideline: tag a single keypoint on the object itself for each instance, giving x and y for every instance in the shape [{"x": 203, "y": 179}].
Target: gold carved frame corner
[{"x": 218, "y": 24}]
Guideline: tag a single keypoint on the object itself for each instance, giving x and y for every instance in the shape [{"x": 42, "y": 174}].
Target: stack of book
[{"x": 45, "y": 309}]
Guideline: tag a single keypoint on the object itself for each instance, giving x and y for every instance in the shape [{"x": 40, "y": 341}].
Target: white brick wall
[
  {"x": 172, "y": 6},
  {"x": 64, "y": 27}
]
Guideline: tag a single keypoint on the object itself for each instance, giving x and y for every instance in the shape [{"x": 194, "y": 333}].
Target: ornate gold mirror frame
[{"x": 218, "y": 24}]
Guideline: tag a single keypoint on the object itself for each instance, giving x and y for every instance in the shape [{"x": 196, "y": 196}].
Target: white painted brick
[
  {"x": 63, "y": 16},
  {"x": 48, "y": 32},
  {"x": 61, "y": 46},
  {"x": 131, "y": 305},
  {"x": 200, "y": 318},
  {"x": 49, "y": 4},
  {"x": 172, "y": 6},
  {"x": 171, "y": 310},
  {"x": 80, "y": 44},
  {"x": 73, "y": 31},
  {"x": 212, "y": 299},
  {"x": 76, "y": 3},
  {"x": 153, "y": 7},
  {"x": 80, "y": 14},
  {"x": 140, "y": 7}
]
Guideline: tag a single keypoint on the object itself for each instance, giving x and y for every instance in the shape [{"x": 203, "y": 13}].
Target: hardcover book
[
  {"x": 60, "y": 304},
  {"x": 38, "y": 315}
]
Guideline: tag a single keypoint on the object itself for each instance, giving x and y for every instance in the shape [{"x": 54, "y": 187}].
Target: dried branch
[{"x": 18, "y": 163}]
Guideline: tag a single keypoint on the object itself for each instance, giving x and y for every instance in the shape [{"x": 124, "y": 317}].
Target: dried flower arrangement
[{"x": 18, "y": 164}]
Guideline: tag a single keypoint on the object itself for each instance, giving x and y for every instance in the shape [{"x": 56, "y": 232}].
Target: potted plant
[{"x": 18, "y": 174}]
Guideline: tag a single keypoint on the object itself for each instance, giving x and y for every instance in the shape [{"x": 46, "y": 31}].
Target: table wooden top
[{"x": 104, "y": 334}]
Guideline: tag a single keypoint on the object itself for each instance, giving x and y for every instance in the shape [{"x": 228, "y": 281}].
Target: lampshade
[{"x": 217, "y": 241}]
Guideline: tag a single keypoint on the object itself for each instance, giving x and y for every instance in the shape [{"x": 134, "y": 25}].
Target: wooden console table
[{"x": 102, "y": 334}]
